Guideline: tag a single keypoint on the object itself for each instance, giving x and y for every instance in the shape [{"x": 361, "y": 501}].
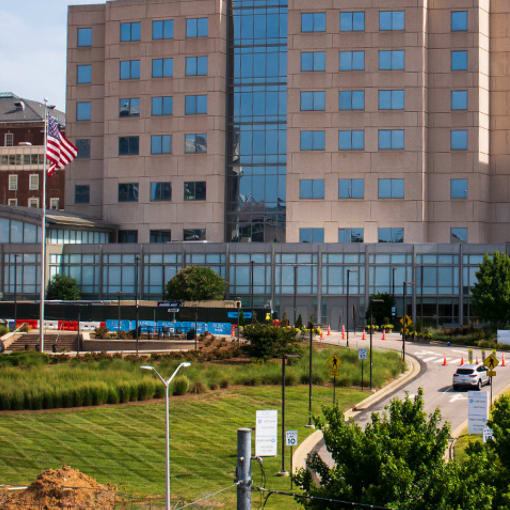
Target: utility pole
[{"x": 243, "y": 470}]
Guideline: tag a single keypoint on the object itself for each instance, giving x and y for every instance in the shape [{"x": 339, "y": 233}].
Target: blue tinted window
[
  {"x": 162, "y": 105},
  {"x": 311, "y": 188},
  {"x": 83, "y": 110},
  {"x": 391, "y": 235},
  {"x": 313, "y": 61},
  {"x": 350, "y": 235},
  {"x": 311, "y": 235},
  {"x": 161, "y": 144},
  {"x": 351, "y": 188},
  {"x": 458, "y": 139},
  {"x": 351, "y": 100},
  {"x": 459, "y": 60},
  {"x": 391, "y": 60},
  {"x": 352, "y": 61},
  {"x": 459, "y": 21},
  {"x": 161, "y": 191},
  {"x": 391, "y": 139},
  {"x": 196, "y": 66},
  {"x": 128, "y": 192},
  {"x": 458, "y": 188},
  {"x": 391, "y": 20},
  {"x": 196, "y": 104},
  {"x": 83, "y": 74},
  {"x": 458, "y": 235},
  {"x": 163, "y": 29},
  {"x": 129, "y": 107},
  {"x": 197, "y": 27},
  {"x": 84, "y": 37},
  {"x": 129, "y": 69},
  {"x": 130, "y": 31},
  {"x": 391, "y": 188},
  {"x": 391, "y": 100},
  {"x": 162, "y": 67},
  {"x": 313, "y": 22},
  {"x": 351, "y": 140},
  {"x": 459, "y": 100},
  {"x": 312, "y": 141},
  {"x": 195, "y": 143},
  {"x": 313, "y": 101},
  {"x": 352, "y": 21}
]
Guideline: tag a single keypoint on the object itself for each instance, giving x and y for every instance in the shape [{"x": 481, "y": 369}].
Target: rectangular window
[
  {"x": 129, "y": 107},
  {"x": 128, "y": 236},
  {"x": 130, "y": 31},
  {"x": 459, "y": 60},
  {"x": 351, "y": 100},
  {"x": 391, "y": 100},
  {"x": 391, "y": 20},
  {"x": 313, "y": 61},
  {"x": 130, "y": 70},
  {"x": 12, "y": 202},
  {"x": 391, "y": 235},
  {"x": 54, "y": 203},
  {"x": 459, "y": 21},
  {"x": 312, "y": 140},
  {"x": 162, "y": 105},
  {"x": 350, "y": 235},
  {"x": 391, "y": 139},
  {"x": 311, "y": 188},
  {"x": 161, "y": 144},
  {"x": 352, "y": 61},
  {"x": 391, "y": 60},
  {"x": 33, "y": 202},
  {"x": 311, "y": 235},
  {"x": 196, "y": 66},
  {"x": 83, "y": 147},
  {"x": 13, "y": 182},
  {"x": 83, "y": 110},
  {"x": 33, "y": 182},
  {"x": 458, "y": 188},
  {"x": 161, "y": 191},
  {"x": 160, "y": 236},
  {"x": 195, "y": 105},
  {"x": 83, "y": 74},
  {"x": 351, "y": 188},
  {"x": 313, "y": 101},
  {"x": 391, "y": 188},
  {"x": 82, "y": 194},
  {"x": 128, "y": 192},
  {"x": 193, "y": 234},
  {"x": 458, "y": 235},
  {"x": 195, "y": 190},
  {"x": 197, "y": 27},
  {"x": 163, "y": 29},
  {"x": 128, "y": 145},
  {"x": 351, "y": 140},
  {"x": 313, "y": 22},
  {"x": 352, "y": 21},
  {"x": 84, "y": 37},
  {"x": 458, "y": 140},
  {"x": 459, "y": 99},
  {"x": 162, "y": 67},
  {"x": 195, "y": 143},
  {"x": 9, "y": 139}
]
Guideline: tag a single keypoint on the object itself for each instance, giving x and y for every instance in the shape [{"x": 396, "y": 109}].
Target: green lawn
[{"x": 125, "y": 445}]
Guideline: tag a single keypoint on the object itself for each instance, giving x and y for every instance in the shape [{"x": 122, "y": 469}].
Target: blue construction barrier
[{"x": 215, "y": 328}]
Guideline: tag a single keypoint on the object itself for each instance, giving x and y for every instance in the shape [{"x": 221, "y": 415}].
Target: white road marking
[
  {"x": 458, "y": 396},
  {"x": 456, "y": 360},
  {"x": 440, "y": 360},
  {"x": 461, "y": 352},
  {"x": 426, "y": 360},
  {"x": 420, "y": 353}
]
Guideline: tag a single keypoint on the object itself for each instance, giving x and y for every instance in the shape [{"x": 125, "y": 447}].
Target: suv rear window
[{"x": 465, "y": 371}]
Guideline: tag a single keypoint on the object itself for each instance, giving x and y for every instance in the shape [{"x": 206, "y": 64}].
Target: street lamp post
[
  {"x": 295, "y": 294},
  {"x": 137, "y": 262},
  {"x": 349, "y": 271},
  {"x": 238, "y": 305},
  {"x": 251, "y": 290},
  {"x": 15, "y": 288},
  {"x": 167, "y": 422},
  {"x": 404, "y": 290},
  {"x": 310, "y": 325},
  {"x": 370, "y": 305}
]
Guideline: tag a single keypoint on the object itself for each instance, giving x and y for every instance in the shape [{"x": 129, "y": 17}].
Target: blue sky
[{"x": 33, "y": 48}]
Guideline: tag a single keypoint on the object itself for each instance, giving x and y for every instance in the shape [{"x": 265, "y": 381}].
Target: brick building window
[
  {"x": 13, "y": 182},
  {"x": 33, "y": 182}
]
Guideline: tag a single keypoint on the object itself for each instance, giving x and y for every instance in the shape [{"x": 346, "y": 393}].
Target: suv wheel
[{"x": 479, "y": 385}]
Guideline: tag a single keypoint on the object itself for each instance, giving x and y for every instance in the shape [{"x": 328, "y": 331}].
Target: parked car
[{"x": 472, "y": 376}]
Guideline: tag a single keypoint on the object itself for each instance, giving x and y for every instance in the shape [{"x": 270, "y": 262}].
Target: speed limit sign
[{"x": 291, "y": 438}]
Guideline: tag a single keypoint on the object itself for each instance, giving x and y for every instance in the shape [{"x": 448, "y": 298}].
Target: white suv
[{"x": 472, "y": 376}]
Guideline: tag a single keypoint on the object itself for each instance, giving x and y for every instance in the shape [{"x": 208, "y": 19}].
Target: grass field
[{"x": 124, "y": 445}]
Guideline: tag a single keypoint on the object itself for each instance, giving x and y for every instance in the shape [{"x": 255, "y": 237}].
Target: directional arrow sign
[{"x": 491, "y": 362}]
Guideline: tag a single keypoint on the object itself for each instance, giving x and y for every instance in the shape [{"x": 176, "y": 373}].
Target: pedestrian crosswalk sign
[
  {"x": 491, "y": 361},
  {"x": 334, "y": 365}
]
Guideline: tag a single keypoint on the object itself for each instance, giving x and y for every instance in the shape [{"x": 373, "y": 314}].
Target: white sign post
[
  {"x": 266, "y": 433},
  {"x": 504, "y": 336},
  {"x": 487, "y": 434},
  {"x": 478, "y": 411}
]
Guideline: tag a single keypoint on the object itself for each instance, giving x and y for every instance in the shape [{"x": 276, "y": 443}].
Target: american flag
[{"x": 59, "y": 150}]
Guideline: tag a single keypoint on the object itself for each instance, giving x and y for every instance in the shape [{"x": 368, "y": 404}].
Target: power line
[{"x": 206, "y": 496}]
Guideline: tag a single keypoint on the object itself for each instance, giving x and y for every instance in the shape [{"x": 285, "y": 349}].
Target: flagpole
[{"x": 43, "y": 233}]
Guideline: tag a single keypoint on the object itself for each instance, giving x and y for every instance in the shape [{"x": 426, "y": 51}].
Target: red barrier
[
  {"x": 32, "y": 323},
  {"x": 68, "y": 325}
]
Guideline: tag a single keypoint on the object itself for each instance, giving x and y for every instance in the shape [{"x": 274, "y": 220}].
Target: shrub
[
  {"x": 267, "y": 341},
  {"x": 180, "y": 385},
  {"x": 113, "y": 395},
  {"x": 290, "y": 379},
  {"x": 124, "y": 389},
  {"x": 224, "y": 383},
  {"x": 3, "y": 330},
  {"x": 145, "y": 389},
  {"x": 198, "y": 387},
  {"x": 101, "y": 332}
]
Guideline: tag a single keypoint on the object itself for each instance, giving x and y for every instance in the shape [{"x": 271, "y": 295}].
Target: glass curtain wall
[{"x": 257, "y": 130}]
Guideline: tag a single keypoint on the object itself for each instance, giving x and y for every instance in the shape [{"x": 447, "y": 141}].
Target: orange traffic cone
[
  {"x": 322, "y": 336},
  {"x": 329, "y": 329},
  {"x": 444, "y": 361},
  {"x": 364, "y": 335},
  {"x": 476, "y": 360},
  {"x": 503, "y": 364},
  {"x": 461, "y": 361},
  {"x": 384, "y": 334},
  {"x": 343, "y": 332},
  {"x": 233, "y": 331}
]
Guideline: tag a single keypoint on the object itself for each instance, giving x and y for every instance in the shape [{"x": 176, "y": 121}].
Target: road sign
[
  {"x": 174, "y": 310},
  {"x": 491, "y": 373},
  {"x": 266, "y": 433},
  {"x": 169, "y": 304},
  {"x": 291, "y": 438},
  {"x": 406, "y": 321},
  {"x": 478, "y": 411},
  {"x": 491, "y": 361},
  {"x": 334, "y": 364},
  {"x": 362, "y": 354},
  {"x": 487, "y": 434}
]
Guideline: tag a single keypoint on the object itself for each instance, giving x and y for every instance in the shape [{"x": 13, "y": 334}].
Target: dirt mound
[{"x": 57, "y": 489}]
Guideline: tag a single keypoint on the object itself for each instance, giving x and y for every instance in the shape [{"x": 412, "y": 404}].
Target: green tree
[
  {"x": 196, "y": 283},
  {"x": 64, "y": 288},
  {"x": 381, "y": 311},
  {"x": 268, "y": 341},
  {"x": 299, "y": 322},
  {"x": 491, "y": 294}
]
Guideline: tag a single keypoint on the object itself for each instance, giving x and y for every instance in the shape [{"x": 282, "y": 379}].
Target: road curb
[{"x": 309, "y": 444}]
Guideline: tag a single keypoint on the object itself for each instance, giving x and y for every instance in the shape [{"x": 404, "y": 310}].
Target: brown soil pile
[{"x": 57, "y": 489}]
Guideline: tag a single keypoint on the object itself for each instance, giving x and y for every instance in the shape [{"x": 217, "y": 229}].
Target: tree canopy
[
  {"x": 64, "y": 288},
  {"x": 196, "y": 283}
]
